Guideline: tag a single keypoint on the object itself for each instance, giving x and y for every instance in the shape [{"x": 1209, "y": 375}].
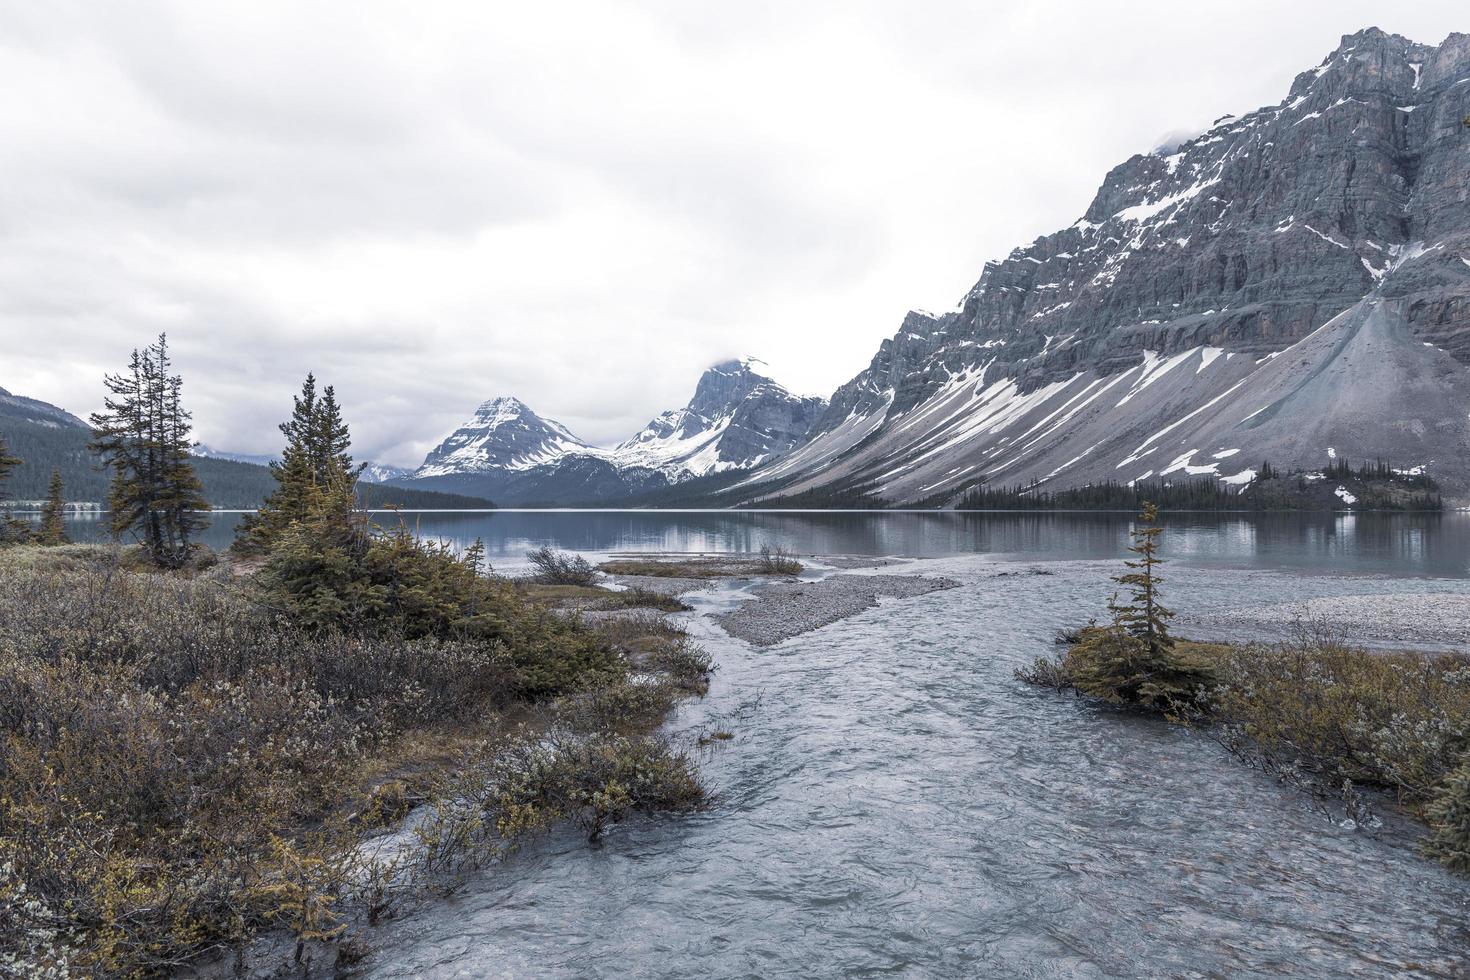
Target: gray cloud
[{"x": 582, "y": 204}]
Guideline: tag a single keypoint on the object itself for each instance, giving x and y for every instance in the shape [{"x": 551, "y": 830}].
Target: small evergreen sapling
[
  {"x": 1133, "y": 660},
  {"x": 1143, "y": 617},
  {"x": 53, "y": 513}
]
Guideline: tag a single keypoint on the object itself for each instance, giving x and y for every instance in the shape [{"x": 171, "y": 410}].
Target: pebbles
[
  {"x": 781, "y": 610},
  {"x": 1411, "y": 619},
  {"x": 859, "y": 561}
]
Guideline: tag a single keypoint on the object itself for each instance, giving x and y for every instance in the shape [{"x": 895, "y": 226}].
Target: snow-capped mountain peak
[
  {"x": 737, "y": 418},
  {"x": 503, "y": 434}
]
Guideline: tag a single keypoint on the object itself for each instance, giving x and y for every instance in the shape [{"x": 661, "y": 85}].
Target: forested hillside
[{"x": 44, "y": 436}]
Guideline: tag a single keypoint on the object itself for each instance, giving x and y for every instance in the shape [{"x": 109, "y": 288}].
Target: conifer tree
[
  {"x": 53, "y": 513},
  {"x": 8, "y": 462},
  {"x": 143, "y": 436},
  {"x": 330, "y": 442},
  {"x": 1449, "y": 819},
  {"x": 314, "y": 474},
  {"x": 1133, "y": 659},
  {"x": 12, "y": 531},
  {"x": 1144, "y": 617}
]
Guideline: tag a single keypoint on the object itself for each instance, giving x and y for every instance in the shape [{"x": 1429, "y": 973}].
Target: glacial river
[{"x": 894, "y": 802}]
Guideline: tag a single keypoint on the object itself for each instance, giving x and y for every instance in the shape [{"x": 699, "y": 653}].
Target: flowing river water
[{"x": 894, "y": 802}]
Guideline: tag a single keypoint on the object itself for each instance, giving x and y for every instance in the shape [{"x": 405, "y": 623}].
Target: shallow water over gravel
[{"x": 894, "y": 802}]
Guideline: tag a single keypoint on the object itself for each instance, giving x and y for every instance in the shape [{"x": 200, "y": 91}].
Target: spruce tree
[
  {"x": 8, "y": 462},
  {"x": 330, "y": 442},
  {"x": 1133, "y": 660},
  {"x": 314, "y": 473},
  {"x": 143, "y": 436},
  {"x": 53, "y": 514},
  {"x": 12, "y": 531},
  {"x": 1143, "y": 617}
]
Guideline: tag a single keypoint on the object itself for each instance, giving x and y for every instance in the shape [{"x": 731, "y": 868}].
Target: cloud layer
[{"x": 580, "y": 204}]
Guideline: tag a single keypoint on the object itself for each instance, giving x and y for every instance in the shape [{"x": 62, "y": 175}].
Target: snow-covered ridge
[
  {"x": 737, "y": 418},
  {"x": 1148, "y": 337},
  {"x": 504, "y": 433}
]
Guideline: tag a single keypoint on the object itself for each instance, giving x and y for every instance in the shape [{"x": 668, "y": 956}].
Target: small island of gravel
[{"x": 781, "y": 610}]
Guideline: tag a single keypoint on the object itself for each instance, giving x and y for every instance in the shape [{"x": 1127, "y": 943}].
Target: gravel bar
[
  {"x": 665, "y": 585},
  {"x": 859, "y": 561},
  {"x": 781, "y": 610},
  {"x": 1410, "y": 619}
]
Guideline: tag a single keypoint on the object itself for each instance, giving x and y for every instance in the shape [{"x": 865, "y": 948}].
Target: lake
[{"x": 1396, "y": 544}]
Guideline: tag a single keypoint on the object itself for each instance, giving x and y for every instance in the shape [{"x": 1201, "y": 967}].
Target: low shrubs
[
  {"x": 1107, "y": 662},
  {"x": 666, "y": 568},
  {"x": 1399, "y": 721},
  {"x": 333, "y": 572},
  {"x": 560, "y": 568},
  {"x": 589, "y": 780},
  {"x": 189, "y": 758},
  {"x": 769, "y": 562},
  {"x": 640, "y": 598},
  {"x": 1312, "y": 705},
  {"x": 778, "y": 561}
]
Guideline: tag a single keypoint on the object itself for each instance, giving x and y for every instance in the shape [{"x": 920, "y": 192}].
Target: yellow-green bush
[
  {"x": 1398, "y": 722},
  {"x": 1109, "y": 663},
  {"x": 1394, "y": 720},
  {"x": 333, "y": 573}
]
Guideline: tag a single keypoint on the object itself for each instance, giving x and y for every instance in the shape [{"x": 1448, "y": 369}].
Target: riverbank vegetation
[
  {"x": 768, "y": 561},
  {"x": 1313, "y": 708},
  {"x": 198, "y": 750}
]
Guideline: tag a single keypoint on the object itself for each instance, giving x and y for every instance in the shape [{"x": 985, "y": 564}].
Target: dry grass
[
  {"x": 182, "y": 767},
  {"x": 597, "y": 598},
  {"x": 1329, "y": 716},
  {"x": 769, "y": 563}
]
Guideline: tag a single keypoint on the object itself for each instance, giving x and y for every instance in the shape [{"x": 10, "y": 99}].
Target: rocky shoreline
[{"x": 1408, "y": 620}]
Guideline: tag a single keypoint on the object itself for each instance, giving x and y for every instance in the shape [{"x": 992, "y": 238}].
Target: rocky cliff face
[
  {"x": 737, "y": 419},
  {"x": 1333, "y": 227}
]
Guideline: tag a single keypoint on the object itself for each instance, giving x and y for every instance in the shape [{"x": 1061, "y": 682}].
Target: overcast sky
[{"x": 580, "y": 204}]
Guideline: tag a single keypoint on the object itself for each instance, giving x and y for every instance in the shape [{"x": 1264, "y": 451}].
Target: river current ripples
[{"x": 894, "y": 802}]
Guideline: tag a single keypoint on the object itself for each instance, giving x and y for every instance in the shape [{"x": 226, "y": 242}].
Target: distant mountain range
[
  {"x": 371, "y": 472},
  {"x": 1291, "y": 286},
  {"x": 737, "y": 419},
  {"x": 46, "y": 437}
]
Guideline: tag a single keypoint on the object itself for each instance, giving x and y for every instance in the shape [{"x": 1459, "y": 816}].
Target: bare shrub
[
  {"x": 561, "y": 568},
  {"x": 778, "y": 561}
]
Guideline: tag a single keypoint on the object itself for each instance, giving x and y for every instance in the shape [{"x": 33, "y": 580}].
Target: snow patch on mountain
[{"x": 737, "y": 418}]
